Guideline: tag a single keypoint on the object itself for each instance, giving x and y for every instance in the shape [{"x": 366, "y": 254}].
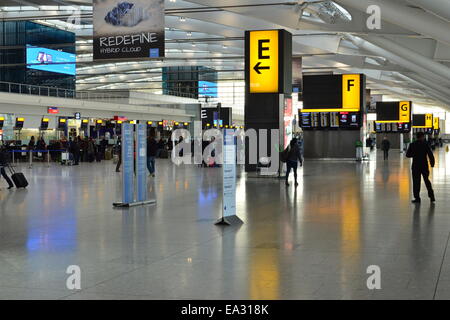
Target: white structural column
[
  {"x": 413, "y": 19},
  {"x": 410, "y": 55},
  {"x": 440, "y": 8}
]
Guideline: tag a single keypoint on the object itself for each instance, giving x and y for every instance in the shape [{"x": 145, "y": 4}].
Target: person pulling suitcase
[
  {"x": 18, "y": 177},
  {"x": 4, "y": 162}
]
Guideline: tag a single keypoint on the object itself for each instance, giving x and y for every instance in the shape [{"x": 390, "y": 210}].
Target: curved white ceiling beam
[
  {"x": 411, "y": 18},
  {"x": 410, "y": 55},
  {"x": 441, "y": 8},
  {"x": 399, "y": 60}
]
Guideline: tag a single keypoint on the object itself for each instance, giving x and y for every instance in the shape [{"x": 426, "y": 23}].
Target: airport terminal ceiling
[{"x": 407, "y": 58}]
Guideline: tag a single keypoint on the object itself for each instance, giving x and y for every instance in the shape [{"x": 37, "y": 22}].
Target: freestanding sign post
[
  {"x": 268, "y": 83},
  {"x": 229, "y": 180},
  {"x": 141, "y": 162},
  {"x": 130, "y": 164}
]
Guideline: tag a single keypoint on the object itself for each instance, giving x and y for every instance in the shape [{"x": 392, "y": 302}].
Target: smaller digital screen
[
  {"x": 52, "y": 110},
  {"x": 349, "y": 120},
  {"x": 324, "y": 119},
  {"x": 378, "y": 127},
  {"x": 51, "y": 60},
  {"x": 315, "y": 121},
  {"x": 305, "y": 120},
  {"x": 394, "y": 127},
  {"x": 207, "y": 89}
]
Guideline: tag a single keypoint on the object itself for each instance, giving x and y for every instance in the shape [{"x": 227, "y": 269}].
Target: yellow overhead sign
[
  {"x": 405, "y": 111},
  {"x": 428, "y": 120},
  {"x": 351, "y": 91},
  {"x": 263, "y": 64},
  {"x": 436, "y": 123}
]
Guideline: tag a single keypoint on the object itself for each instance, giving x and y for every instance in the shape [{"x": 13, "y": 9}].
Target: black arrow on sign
[{"x": 258, "y": 67}]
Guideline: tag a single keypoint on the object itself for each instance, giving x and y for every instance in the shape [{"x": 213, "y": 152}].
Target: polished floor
[{"x": 313, "y": 242}]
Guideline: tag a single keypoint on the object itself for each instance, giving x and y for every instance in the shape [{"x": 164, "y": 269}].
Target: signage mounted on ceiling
[
  {"x": 436, "y": 123},
  {"x": 423, "y": 120},
  {"x": 128, "y": 29},
  {"x": 334, "y": 93},
  {"x": 393, "y": 112}
]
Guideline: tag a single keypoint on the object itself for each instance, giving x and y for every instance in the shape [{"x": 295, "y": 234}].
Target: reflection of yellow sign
[
  {"x": 263, "y": 62},
  {"x": 428, "y": 120},
  {"x": 404, "y": 111},
  {"x": 436, "y": 123},
  {"x": 351, "y": 91}
]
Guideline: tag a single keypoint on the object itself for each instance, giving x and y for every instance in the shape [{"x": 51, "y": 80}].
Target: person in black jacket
[
  {"x": 385, "y": 146},
  {"x": 3, "y": 164},
  {"x": 419, "y": 150},
  {"x": 152, "y": 150},
  {"x": 293, "y": 157},
  {"x": 75, "y": 150}
]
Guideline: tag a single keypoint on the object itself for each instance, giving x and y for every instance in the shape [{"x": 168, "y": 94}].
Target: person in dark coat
[
  {"x": 4, "y": 160},
  {"x": 293, "y": 157},
  {"x": 419, "y": 150},
  {"x": 75, "y": 150},
  {"x": 385, "y": 146},
  {"x": 152, "y": 150},
  {"x": 119, "y": 152}
]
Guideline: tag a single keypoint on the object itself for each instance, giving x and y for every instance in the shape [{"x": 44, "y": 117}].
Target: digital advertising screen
[
  {"x": 51, "y": 60},
  {"x": 349, "y": 120},
  {"x": 207, "y": 89}
]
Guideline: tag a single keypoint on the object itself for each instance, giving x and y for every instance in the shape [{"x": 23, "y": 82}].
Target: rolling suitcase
[{"x": 18, "y": 178}]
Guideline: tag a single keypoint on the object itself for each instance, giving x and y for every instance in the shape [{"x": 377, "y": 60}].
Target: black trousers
[
  {"x": 119, "y": 163},
  {"x": 385, "y": 154},
  {"x": 417, "y": 173},
  {"x": 291, "y": 165},
  {"x": 4, "y": 175}
]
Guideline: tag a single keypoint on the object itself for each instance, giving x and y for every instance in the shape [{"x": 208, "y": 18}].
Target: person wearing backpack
[{"x": 293, "y": 157}]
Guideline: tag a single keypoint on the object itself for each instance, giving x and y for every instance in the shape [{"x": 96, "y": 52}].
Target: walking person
[
  {"x": 419, "y": 151},
  {"x": 293, "y": 157},
  {"x": 32, "y": 143},
  {"x": 3, "y": 164},
  {"x": 75, "y": 151},
  {"x": 385, "y": 146},
  {"x": 91, "y": 150},
  {"x": 152, "y": 150},
  {"x": 119, "y": 153}
]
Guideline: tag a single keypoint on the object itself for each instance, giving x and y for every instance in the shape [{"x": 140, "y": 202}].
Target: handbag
[{"x": 284, "y": 154}]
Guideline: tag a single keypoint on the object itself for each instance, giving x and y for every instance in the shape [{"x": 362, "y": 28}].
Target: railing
[{"x": 98, "y": 95}]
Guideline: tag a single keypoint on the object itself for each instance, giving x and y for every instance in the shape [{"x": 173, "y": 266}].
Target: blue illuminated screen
[
  {"x": 207, "y": 89},
  {"x": 51, "y": 60}
]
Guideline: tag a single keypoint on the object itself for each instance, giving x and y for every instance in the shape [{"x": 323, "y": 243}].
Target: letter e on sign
[
  {"x": 351, "y": 91},
  {"x": 263, "y": 62}
]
